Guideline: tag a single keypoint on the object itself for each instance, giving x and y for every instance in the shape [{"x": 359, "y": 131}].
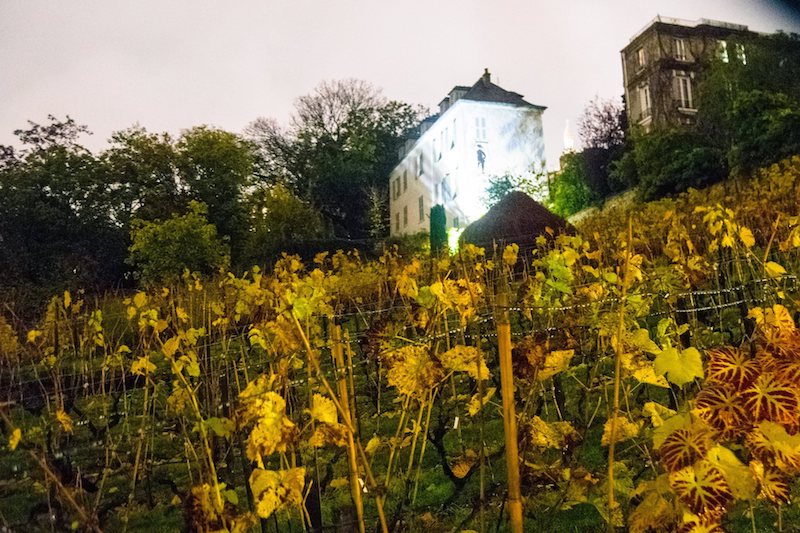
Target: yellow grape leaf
[
  {"x": 641, "y": 339},
  {"x": 33, "y": 335},
  {"x": 510, "y": 254},
  {"x": 680, "y": 367},
  {"x": 773, "y": 269},
  {"x": 324, "y": 434},
  {"x": 551, "y": 434},
  {"x": 653, "y": 514},
  {"x": 339, "y": 482},
  {"x": 131, "y": 312},
  {"x": 183, "y": 316},
  {"x": 171, "y": 346},
  {"x": 67, "y": 299},
  {"x": 14, "y": 438},
  {"x": 65, "y": 421},
  {"x": 475, "y": 402},
  {"x": 746, "y": 236},
  {"x": 657, "y": 413},
  {"x": 277, "y": 490},
  {"x": 373, "y": 445},
  {"x": 462, "y": 358},
  {"x": 221, "y": 426},
  {"x": 625, "y": 430},
  {"x": 143, "y": 366},
  {"x": 323, "y": 410},
  {"x": 555, "y": 362},
  {"x": 140, "y": 300},
  {"x": 739, "y": 477},
  {"x": 773, "y": 321},
  {"x": 644, "y": 372},
  {"x": 727, "y": 241}
]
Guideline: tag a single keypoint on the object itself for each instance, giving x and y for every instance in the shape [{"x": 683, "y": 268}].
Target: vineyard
[{"x": 641, "y": 373}]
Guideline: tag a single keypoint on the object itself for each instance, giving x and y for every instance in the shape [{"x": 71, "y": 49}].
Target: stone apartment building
[
  {"x": 480, "y": 131},
  {"x": 662, "y": 65}
]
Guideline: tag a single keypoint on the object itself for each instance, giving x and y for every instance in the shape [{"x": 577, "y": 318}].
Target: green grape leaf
[{"x": 680, "y": 367}]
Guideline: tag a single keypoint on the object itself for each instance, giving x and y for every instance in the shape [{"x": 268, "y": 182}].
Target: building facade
[
  {"x": 480, "y": 131},
  {"x": 662, "y": 65}
]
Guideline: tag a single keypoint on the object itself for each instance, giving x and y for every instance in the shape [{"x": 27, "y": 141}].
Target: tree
[
  {"x": 280, "y": 220},
  {"x": 534, "y": 185},
  {"x": 761, "y": 71},
  {"x": 216, "y": 165},
  {"x": 142, "y": 168},
  {"x": 570, "y": 191},
  {"x": 55, "y": 225},
  {"x": 602, "y": 124},
  {"x": 601, "y": 129},
  {"x": 162, "y": 251},
  {"x": 342, "y": 143}
]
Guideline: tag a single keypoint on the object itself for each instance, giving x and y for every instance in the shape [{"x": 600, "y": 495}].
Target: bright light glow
[
  {"x": 453, "y": 235},
  {"x": 569, "y": 139}
]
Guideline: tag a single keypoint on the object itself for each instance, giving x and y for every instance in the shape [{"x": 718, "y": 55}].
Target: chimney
[{"x": 487, "y": 78}]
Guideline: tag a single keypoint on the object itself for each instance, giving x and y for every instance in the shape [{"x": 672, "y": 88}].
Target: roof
[
  {"x": 689, "y": 24},
  {"x": 485, "y": 91},
  {"x": 516, "y": 218}
]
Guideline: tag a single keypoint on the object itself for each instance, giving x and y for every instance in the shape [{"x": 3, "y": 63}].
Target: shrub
[
  {"x": 765, "y": 129},
  {"x": 161, "y": 251},
  {"x": 570, "y": 191},
  {"x": 672, "y": 161}
]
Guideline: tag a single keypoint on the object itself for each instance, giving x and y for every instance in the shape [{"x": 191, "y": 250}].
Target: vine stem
[
  {"x": 612, "y": 504},
  {"x": 355, "y": 489},
  {"x": 314, "y": 360}
]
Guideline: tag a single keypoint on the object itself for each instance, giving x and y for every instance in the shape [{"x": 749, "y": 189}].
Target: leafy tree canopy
[
  {"x": 162, "y": 250},
  {"x": 342, "y": 141}
]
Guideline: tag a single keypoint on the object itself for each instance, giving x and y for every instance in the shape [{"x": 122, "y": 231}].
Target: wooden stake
[
  {"x": 509, "y": 411},
  {"x": 341, "y": 380}
]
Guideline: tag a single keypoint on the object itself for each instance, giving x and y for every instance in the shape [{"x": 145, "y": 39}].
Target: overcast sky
[{"x": 169, "y": 64}]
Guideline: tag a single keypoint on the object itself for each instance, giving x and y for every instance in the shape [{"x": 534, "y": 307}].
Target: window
[
  {"x": 397, "y": 222},
  {"x": 644, "y": 101},
  {"x": 680, "y": 49},
  {"x": 722, "y": 51},
  {"x": 436, "y": 193},
  {"x": 442, "y": 136},
  {"x": 453, "y": 137},
  {"x": 740, "y": 55},
  {"x": 405, "y": 216},
  {"x": 480, "y": 128},
  {"x": 421, "y": 209},
  {"x": 641, "y": 58},
  {"x": 684, "y": 90},
  {"x": 397, "y": 188},
  {"x": 455, "y": 222},
  {"x": 405, "y": 181},
  {"x": 420, "y": 167}
]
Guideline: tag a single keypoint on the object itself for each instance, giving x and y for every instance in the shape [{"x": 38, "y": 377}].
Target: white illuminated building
[{"x": 480, "y": 132}]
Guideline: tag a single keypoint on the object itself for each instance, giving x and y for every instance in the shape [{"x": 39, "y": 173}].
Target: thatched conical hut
[{"x": 517, "y": 218}]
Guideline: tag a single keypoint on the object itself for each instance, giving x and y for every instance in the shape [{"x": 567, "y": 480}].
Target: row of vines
[{"x": 642, "y": 373}]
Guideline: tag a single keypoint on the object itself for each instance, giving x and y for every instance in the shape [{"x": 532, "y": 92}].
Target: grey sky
[{"x": 170, "y": 64}]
